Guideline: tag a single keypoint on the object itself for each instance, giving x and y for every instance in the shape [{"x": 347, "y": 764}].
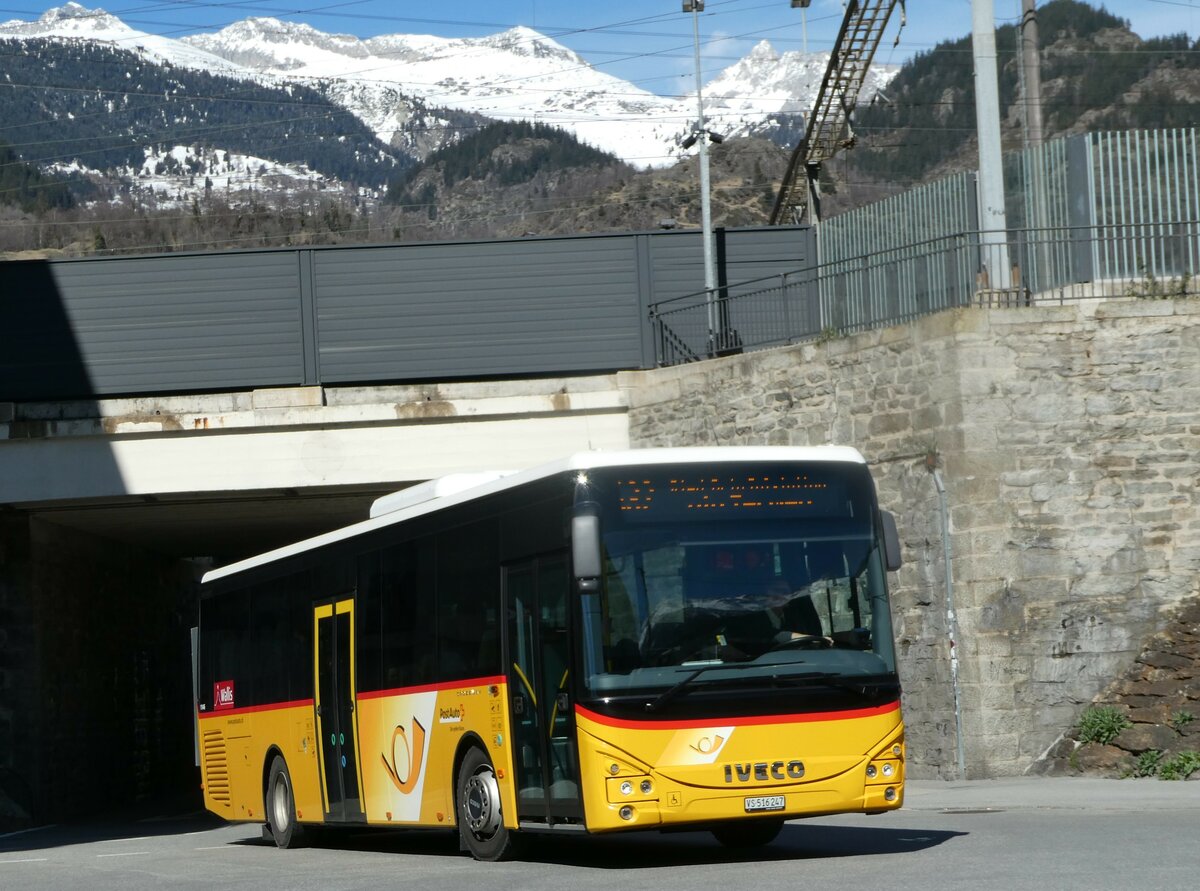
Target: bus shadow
[
  {"x": 107, "y": 829},
  {"x": 796, "y": 842},
  {"x": 809, "y": 841}
]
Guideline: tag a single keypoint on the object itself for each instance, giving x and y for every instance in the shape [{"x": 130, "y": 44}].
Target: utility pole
[
  {"x": 695, "y": 7},
  {"x": 992, "y": 220},
  {"x": 1038, "y": 261},
  {"x": 1032, "y": 73},
  {"x": 803, "y": 5}
]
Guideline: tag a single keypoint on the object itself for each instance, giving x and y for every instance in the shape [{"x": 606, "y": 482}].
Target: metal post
[
  {"x": 1031, "y": 73},
  {"x": 803, "y": 5},
  {"x": 1037, "y": 161},
  {"x": 695, "y": 7},
  {"x": 993, "y": 223},
  {"x": 951, "y": 627}
]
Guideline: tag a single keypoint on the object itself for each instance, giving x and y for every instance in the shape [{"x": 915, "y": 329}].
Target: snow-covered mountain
[
  {"x": 766, "y": 83},
  {"x": 175, "y": 176},
  {"x": 76, "y": 22},
  {"x": 516, "y": 74}
]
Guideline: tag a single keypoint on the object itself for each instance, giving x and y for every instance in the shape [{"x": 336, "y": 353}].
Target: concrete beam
[{"x": 301, "y": 438}]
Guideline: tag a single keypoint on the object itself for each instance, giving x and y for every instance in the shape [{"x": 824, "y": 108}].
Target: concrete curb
[{"x": 1060, "y": 793}]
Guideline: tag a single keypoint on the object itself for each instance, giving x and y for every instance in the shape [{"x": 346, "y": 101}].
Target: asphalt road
[{"x": 1026, "y": 833}]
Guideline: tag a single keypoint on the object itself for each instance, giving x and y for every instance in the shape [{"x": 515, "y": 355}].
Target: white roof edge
[
  {"x": 508, "y": 480},
  {"x": 442, "y": 487}
]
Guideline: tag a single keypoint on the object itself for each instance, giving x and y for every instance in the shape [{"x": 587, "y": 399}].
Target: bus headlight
[
  {"x": 622, "y": 790},
  {"x": 883, "y": 771}
]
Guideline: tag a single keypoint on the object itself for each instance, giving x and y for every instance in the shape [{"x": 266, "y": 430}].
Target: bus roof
[{"x": 430, "y": 498}]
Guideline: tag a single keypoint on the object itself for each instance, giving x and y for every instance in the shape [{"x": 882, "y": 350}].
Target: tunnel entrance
[{"x": 97, "y": 600}]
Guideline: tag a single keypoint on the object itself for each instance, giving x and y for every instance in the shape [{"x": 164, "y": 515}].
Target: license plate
[{"x": 765, "y": 803}]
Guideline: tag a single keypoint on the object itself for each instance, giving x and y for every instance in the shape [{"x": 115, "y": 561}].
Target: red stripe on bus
[
  {"x": 251, "y": 709},
  {"x": 426, "y": 688},
  {"x": 747, "y": 721}
]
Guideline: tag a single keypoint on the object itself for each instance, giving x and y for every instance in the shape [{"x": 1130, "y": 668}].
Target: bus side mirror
[
  {"x": 891, "y": 542},
  {"x": 585, "y": 550}
]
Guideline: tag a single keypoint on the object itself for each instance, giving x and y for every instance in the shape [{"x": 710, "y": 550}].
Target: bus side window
[
  {"x": 369, "y": 624},
  {"x": 408, "y": 630},
  {"x": 468, "y": 598},
  {"x": 268, "y": 620},
  {"x": 224, "y": 642},
  {"x": 299, "y": 597}
]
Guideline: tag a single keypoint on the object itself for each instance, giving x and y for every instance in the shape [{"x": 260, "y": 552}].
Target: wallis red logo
[{"x": 222, "y": 695}]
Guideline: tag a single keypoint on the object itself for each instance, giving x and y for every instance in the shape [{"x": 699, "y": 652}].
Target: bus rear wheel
[
  {"x": 480, "y": 823},
  {"x": 281, "y": 807},
  {"x": 750, "y": 834}
]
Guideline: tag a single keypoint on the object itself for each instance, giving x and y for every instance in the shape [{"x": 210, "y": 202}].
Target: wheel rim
[
  {"x": 481, "y": 803},
  {"x": 281, "y": 806}
]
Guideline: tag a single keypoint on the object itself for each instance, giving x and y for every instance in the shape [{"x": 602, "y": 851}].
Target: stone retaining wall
[
  {"x": 1159, "y": 701},
  {"x": 1068, "y": 442}
]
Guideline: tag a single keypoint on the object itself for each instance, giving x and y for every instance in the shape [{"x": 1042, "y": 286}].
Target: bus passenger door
[
  {"x": 337, "y": 721},
  {"x": 538, "y": 658}
]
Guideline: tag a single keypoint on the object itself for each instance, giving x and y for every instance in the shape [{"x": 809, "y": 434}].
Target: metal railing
[{"x": 899, "y": 284}]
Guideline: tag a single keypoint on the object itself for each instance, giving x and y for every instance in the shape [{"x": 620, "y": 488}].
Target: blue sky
[{"x": 646, "y": 41}]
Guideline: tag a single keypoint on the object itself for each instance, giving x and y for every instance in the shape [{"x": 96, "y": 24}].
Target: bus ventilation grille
[{"x": 216, "y": 766}]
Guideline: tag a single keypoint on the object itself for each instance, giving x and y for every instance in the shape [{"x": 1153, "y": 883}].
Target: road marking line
[
  {"x": 121, "y": 841},
  {"x": 26, "y": 831},
  {"x": 30, "y": 860},
  {"x": 124, "y": 854}
]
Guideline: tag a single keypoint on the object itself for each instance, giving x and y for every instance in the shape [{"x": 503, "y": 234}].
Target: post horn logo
[{"x": 406, "y": 757}]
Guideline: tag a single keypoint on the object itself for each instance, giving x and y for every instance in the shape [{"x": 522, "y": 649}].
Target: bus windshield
[{"x": 748, "y": 573}]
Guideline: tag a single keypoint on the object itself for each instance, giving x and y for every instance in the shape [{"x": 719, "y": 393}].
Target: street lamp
[
  {"x": 803, "y": 5},
  {"x": 695, "y": 7}
]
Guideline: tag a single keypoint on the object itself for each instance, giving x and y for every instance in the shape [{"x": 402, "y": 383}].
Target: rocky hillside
[
  {"x": 511, "y": 180},
  {"x": 1096, "y": 74},
  {"x": 1148, "y": 722},
  {"x": 518, "y": 186}
]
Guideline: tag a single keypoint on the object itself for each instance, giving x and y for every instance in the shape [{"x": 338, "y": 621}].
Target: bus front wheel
[
  {"x": 749, "y": 834},
  {"x": 480, "y": 823},
  {"x": 281, "y": 807}
]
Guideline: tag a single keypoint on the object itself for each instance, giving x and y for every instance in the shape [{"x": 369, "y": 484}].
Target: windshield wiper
[
  {"x": 674, "y": 690},
  {"x": 865, "y": 685}
]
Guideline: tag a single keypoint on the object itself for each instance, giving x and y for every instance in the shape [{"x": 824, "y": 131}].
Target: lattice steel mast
[{"x": 828, "y": 127}]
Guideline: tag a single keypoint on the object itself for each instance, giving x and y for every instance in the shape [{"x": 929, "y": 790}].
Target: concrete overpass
[{"x": 222, "y": 475}]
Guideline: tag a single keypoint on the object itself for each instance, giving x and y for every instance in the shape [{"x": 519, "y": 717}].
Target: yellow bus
[{"x": 653, "y": 639}]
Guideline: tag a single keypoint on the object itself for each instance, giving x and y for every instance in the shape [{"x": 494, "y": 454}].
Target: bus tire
[
  {"x": 280, "y": 805},
  {"x": 481, "y": 828},
  {"x": 748, "y": 834}
]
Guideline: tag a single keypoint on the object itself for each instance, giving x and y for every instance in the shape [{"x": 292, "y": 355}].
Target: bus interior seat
[
  {"x": 800, "y": 614},
  {"x": 623, "y": 656},
  {"x": 563, "y": 769},
  {"x": 719, "y": 571}
]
